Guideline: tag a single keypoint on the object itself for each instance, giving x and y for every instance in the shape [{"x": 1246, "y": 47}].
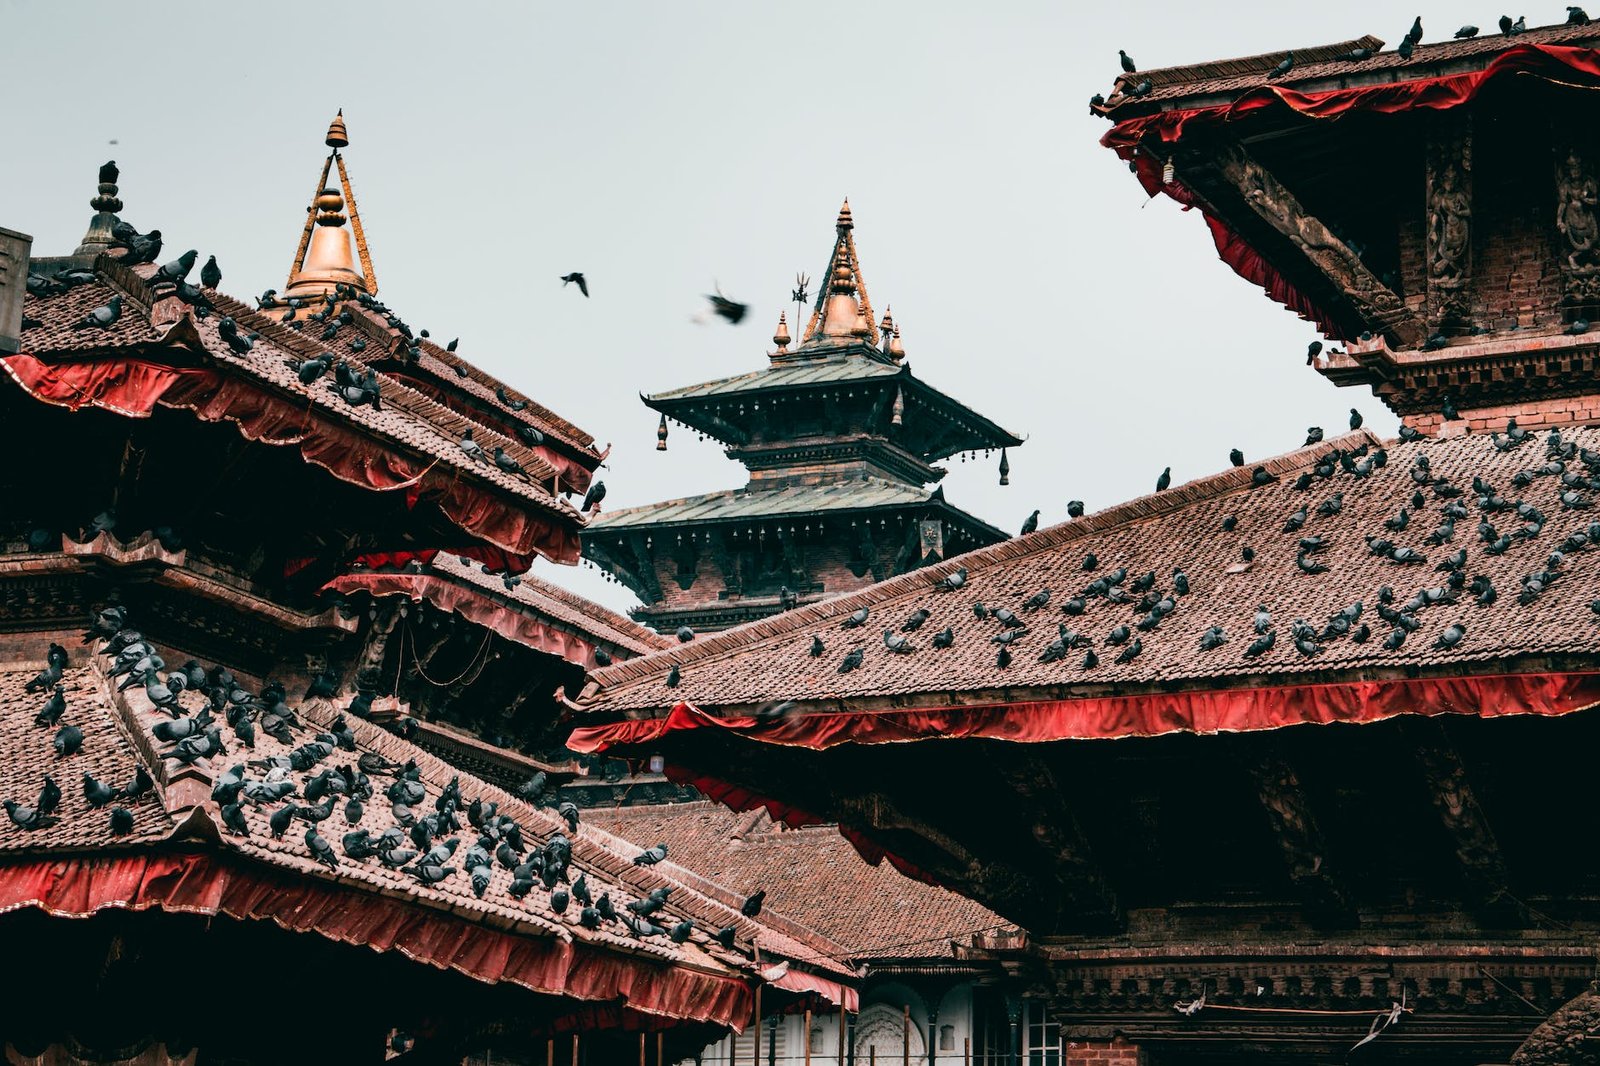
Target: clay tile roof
[
  {"x": 119, "y": 728},
  {"x": 1323, "y": 68},
  {"x": 555, "y": 602},
  {"x": 26, "y": 755},
  {"x": 790, "y": 501},
  {"x": 812, "y": 875},
  {"x": 408, "y": 417},
  {"x": 769, "y": 659}
]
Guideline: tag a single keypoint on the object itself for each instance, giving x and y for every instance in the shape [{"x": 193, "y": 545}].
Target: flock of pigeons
[
  {"x": 1509, "y": 27},
  {"x": 304, "y": 784},
  {"x": 1503, "y": 521}
]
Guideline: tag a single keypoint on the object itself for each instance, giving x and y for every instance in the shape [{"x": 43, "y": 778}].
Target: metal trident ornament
[{"x": 800, "y": 295}]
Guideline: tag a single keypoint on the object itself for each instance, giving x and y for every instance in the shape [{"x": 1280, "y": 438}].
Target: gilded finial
[
  {"x": 897, "y": 350},
  {"x": 1005, "y": 468},
  {"x": 330, "y": 208},
  {"x": 661, "y": 435},
  {"x": 338, "y": 136},
  {"x": 780, "y": 336},
  {"x": 844, "y": 221},
  {"x": 898, "y": 415}
]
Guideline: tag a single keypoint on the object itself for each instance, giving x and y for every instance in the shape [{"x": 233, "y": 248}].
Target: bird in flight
[{"x": 576, "y": 276}]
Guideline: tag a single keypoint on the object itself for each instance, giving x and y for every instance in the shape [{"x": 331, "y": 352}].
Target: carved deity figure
[
  {"x": 1578, "y": 194},
  {"x": 1449, "y": 226}
]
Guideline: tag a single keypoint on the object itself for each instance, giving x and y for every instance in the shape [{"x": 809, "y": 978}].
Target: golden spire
[
  {"x": 780, "y": 336},
  {"x": 842, "y": 310},
  {"x": 897, "y": 350},
  {"x": 323, "y": 262}
]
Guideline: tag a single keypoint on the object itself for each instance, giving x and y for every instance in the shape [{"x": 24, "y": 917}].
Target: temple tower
[
  {"x": 1446, "y": 228},
  {"x": 841, "y": 441}
]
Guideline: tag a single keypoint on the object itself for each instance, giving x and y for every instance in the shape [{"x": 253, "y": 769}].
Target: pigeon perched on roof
[
  {"x": 651, "y": 856},
  {"x": 103, "y": 317},
  {"x": 1164, "y": 480},
  {"x": 176, "y": 270},
  {"x": 1030, "y": 523}
]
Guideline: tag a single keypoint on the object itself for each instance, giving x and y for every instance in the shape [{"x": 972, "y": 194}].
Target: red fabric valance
[
  {"x": 198, "y": 883},
  {"x": 475, "y": 606},
  {"x": 1153, "y": 714},
  {"x": 1555, "y": 63},
  {"x": 133, "y": 387}
]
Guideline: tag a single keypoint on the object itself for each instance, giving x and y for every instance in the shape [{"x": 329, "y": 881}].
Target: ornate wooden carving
[
  {"x": 1300, "y": 839},
  {"x": 1578, "y": 222},
  {"x": 1279, "y": 209},
  {"x": 647, "y": 565},
  {"x": 1449, "y": 218},
  {"x": 1482, "y": 863},
  {"x": 1055, "y": 829},
  {"x": 726, "y": 560}
]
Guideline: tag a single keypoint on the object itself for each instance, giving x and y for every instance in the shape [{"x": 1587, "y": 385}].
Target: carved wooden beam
[
  {"x": 998, "y": 884},
  {"x": 1056, "y": 831},
  {"x": 725, "y": 430},
  {"x": 1477, "y": 851},
  {"x": 1300, "y": 839},
  {"x": 1278, "y": 208},
  {"x": 647, "y": 566},
  {"x": 727, "y": 562},
  {"x": 1449, "y": 221}
]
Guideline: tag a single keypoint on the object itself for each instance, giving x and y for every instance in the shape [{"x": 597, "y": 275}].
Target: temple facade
[
  {"x": 841, "y": 441},
  {"x": 274, "y": 685},
  {"x": 1276, "y": 766}
]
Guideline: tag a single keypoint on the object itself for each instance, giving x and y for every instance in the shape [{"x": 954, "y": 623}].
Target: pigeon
[
  {"x": 97, "y": 792},
  {"x": 1213, "y": 638},
  {"x": 103, "y": 317},
  {"x": 228, "y": 330},
  {"x": 211, "y": 274},
  {"x": 1030, "y": 523},
  {"x": 53, "y": 709},
  {"x": 857, "y": 619},
  {"x": 121, "y": 823},
  {"x": 1313, "y": 436},
  {"x": 896, "y": 643},
  {"x": 817, "y": 647},
  {"x": 177, "y": 270},
  {"x": 1577, "y": 16},
  {"x": 569, "y": 814},
  {"x": 681, "y": 931},
  {"x": 944, "y": 638},
  {"x": 1355, "y": 419},
  {"x": 1286, "y": 65},
  {"x": 1164, "y": 480},
  {"x": 730, "y": 310},
  {"x": 685, "y": 634},
  {"x": 1127, "y": 63},
  {"x": 1003, "y": 658},
  {"x": 951, "y": 582},
  {"x": 914, "y": 622},
  {"x": 1236, "y": 457},
  {"x": 1074, "y": 508},
  {"x": 1037, "y": 600},
  {"x": 28, "y": 818},
  {"x": 1414, "y": 34},
  {"x": 651, "y": 856},
  {"x": 1090, "y": 660},
  {"x": 1262, "y": 644},
  {"x": 852, "y": 660},
  {"x": 1450, "y": 637},
  {"x": 506, "y": 463},
  {"x": 752, "y": 904},
  {"x": 674, "y": 676},
  {"x": 1466, "y": 33},
  {"x": 49, "y": 800},
  {"x": 592, "y": 498},
  {"x": 68, "y": 740},
  {"x": 1260, "y": 476},
  {"x": 575, "y": 277}
]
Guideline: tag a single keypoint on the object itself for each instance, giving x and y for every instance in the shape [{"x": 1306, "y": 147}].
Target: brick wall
[
  {"x": 1114, "y": 1052},
  {"x": 1531, "y": 414}
]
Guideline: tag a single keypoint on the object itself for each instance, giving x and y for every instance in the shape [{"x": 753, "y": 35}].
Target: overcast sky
[{"x": 664, "y": 147}]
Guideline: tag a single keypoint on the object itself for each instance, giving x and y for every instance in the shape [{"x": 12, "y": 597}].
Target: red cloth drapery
[
  {"x": 199, "y": 883},
  {"x": 133, "y": 387},
  {"x": 473, "y": 605},
  {"x": 1153, "y": 714},
  {"x": 1554, "y": 63}
]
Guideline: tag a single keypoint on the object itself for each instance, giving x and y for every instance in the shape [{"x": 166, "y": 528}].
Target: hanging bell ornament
[
  {"x": 661, "y": 435},
  {"x": 1005, "y": 468}
]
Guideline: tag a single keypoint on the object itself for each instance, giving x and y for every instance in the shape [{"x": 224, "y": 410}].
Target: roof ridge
[
  {"x": 1253, "y": 64},
  {"x": 743, "y": 638}
]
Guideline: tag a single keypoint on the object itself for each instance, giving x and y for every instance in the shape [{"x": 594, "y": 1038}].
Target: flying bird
[
  {"x": 566, "y": 279},
  {"x": 731, "y": 310}
]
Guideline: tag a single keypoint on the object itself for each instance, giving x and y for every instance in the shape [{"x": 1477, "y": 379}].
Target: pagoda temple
[
  {"x": 277, "y": 695},
  {"x": 1282, "y": 765},
  {"x": 841, "y": 441}
]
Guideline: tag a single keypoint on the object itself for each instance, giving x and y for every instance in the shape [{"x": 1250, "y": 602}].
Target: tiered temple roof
[{"x": 835, "y": 429}]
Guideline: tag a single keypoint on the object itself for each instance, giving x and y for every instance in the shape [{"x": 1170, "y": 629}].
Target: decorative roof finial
[
  {"x": 323, "y": 262},
  {"x": 661, "y": 435},
  {"x": 780, "y": 336},
  {"x": 1005, "y": 468},
  {"x": 897, "y": 351},
  {"x": 842, "y": 308},
  {"x": 886, "y": 328},
  {"x": 338, "y": 136},
  {"x": 106, "y": 205},
  {"x": 898, "y": 416}
]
